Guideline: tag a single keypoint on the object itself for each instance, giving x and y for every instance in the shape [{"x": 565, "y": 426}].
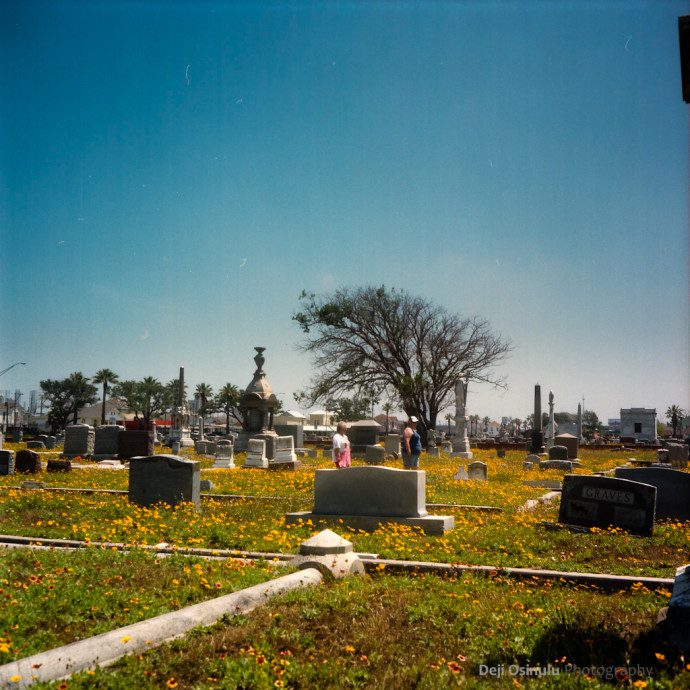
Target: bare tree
[{"x": 394, "y": 342}]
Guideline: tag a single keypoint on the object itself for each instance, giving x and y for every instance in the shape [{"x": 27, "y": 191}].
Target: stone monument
[
  {"x": 257, "y": 406},
  {"x": 180, "y": 418},
  {"x": 580, "y": 437},
  {"x": 537, "y": 443},
  {"x": 551, "y": 429},
  {"x": 461, "y": 443}
]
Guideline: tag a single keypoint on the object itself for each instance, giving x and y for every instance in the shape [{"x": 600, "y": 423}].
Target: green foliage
[
  {"x": 148, "y": 397},
  {"x": 66, "y": 396}
]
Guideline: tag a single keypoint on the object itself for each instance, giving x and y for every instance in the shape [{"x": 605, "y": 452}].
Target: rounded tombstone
[{"x": 558, "y": 453}]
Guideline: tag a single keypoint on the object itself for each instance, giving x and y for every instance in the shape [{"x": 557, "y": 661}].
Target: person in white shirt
[{"x": 341, "y": 446}]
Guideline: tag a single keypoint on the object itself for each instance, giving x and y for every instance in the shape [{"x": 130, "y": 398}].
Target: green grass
[{"x": 403, "y": 632}]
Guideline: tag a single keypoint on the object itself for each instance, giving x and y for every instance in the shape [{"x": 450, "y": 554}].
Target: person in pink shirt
[{"x": 341, "y": 446}]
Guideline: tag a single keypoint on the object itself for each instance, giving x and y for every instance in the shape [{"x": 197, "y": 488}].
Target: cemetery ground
[{"x": 383, "y": 630}]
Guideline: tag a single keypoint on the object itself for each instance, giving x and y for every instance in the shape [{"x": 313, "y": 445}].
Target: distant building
[
  {"x": 319, "y": 418},
  {"x": 290, "y": 417},
  {"x": 640, "y": 423}
]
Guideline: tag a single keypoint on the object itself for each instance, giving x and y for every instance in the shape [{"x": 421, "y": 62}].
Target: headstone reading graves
[
  {"x": 678, "y": 455},
  {"x": 365, "y": 497},
  {"x": 284, "y": 457},
  {"x": 256, "y": 453},
  {"x": 477, "y": 471},
  {"x": 375, "y": 455},
  {"x": 163, "y": 478},
  {"x": 79, "y": 441},
  {"x": 591, "y": 501},
  {"x": 225, "y": 455},
  {"x": 28, "y": 461},
  {"x": 672, "y": 489},
  {"x": 135, "y": 443},
  {"x": 106, "y": 439},
  {"x": 6, "y": 462}
]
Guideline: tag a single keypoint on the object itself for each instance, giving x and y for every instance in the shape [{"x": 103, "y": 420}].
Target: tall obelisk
[{"x": 537, "y": 445}]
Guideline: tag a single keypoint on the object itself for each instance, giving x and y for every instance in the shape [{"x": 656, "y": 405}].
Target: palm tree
[
  {"x": 486, "y": 422},
  {"x": 106, "y": 377},
  {"x": 203, "y": 393},
  {"x": 674, "y": 414},
  {"x": 387, "y": 407},
  {"x": 227, "y": 400},
  {"x": 474, "y": 420},
  {"x": 448, "y": 417},
  {"x": 81, "y": 391}
]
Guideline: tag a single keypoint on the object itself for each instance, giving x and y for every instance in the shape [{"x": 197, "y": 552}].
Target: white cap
[{"x": 414, "y": 419}]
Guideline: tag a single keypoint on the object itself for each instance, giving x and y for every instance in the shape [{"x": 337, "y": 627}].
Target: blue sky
[{"x": 174, "y": 174}]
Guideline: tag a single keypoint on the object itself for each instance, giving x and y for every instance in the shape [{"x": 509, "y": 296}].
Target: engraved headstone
[
  {"x": 375, "y": 455},
  {"x": 393, "y": 444},
  {"x": 256, "y": 453},
  {"x": 225, "y": 455},
  {"x": 28, "y": 461},
  {"x": 79, "y": 441},
  {"x": 478, "y": 471},
  {"x": 558, "y": 453},
  {"x": 591, "y": 501},
  {"x": 105, "y": 445},
  {"x": 163, "y": 478},
  {"x": 570, "y": 442},
  {"x": 284, "y": 454},
  {"x": 135, "y": 443},
  {"x": 678, "y": 455},
  {"x": 6, "y": 462},
  {"x": 50, "y": 442}
]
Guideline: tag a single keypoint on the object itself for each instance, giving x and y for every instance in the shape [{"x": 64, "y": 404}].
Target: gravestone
[
  {"x": 678, "y": 455},
  {"x": 570, "y": 442},
  {"x": 50, "y": 442},
  {"x": 362, "y": 434},
  {"x": 2, "y": 439},
  {"x": 210, "y": 447},
  {"x": 663, "y": 455},
  {"x": 163, "y": 478},
  {"x": 562, "y": 465},
  {"x": 206, "y": 485},
  {"x": 527, "y": 465},
  {"x": 558, "y": 453},
  {"x": 133, "y": 444},
  {"x": 433, "y": 451},
  {"x": 393, "y": 444},
  {"x": 176, "y": 447},
  {"x": 256, "y": 453},
  {"x": 35, "y": 445},
  {"x": 375, "y": 455},
  {"x": 294, "y": 430},
  {"x": 6, "y": 462},
  {"x": 225, "y": 455},
  {"x": 591, "y": 501},
  {"x": 15, "y": 434},
  {"x": 461, "y": 474},
  {"x": 79, "y": 441},
  {"x": 284, "y": 457},
  {"x": 447, "y": 447},
  {"x": 365, "y": 497},
  {"x": 477, "y": 471},
  {"x": 105, "y": 444},
  {"x": 59, "y": 465},
  {"x": 500, "y": 453},
  {"x": 27, "y": 461},
  {"x": 200, "y": 447},
  {"x": 672, "y": 489}
]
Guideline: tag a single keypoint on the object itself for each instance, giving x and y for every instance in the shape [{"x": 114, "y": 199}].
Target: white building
[{"x": 640, "y": 423}]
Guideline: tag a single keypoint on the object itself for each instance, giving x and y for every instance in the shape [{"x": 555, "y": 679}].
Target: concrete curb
[
  {"x": 106, "y": 648},
  {"x": 602, "y": 580}
]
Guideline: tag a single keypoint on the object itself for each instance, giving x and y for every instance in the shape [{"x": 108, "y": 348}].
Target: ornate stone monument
[
  {"x": 257, "y": 406},
  {"x": 537, "y": 444},
  {"x": 180, "y": 426},
  {"x": 551, "y": 430},
  {"x": 580, "y": 438},
  {"x": 461, "y": 443}
]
